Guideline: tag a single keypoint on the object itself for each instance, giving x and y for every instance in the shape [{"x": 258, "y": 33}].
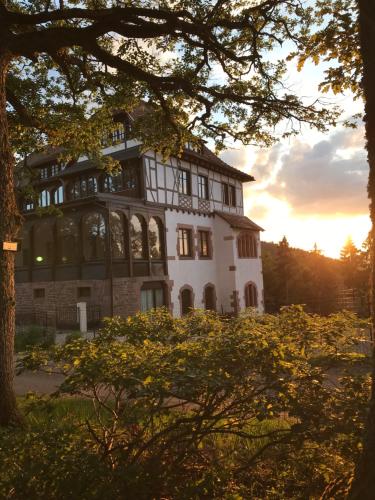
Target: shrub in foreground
[{"x": 198, "y": 407}]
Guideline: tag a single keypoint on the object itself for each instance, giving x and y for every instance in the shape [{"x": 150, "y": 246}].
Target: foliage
[
  {"x": 72, "y": 336},
  {"x": 198, "y": 407},
  {"x": 32, "y": 336},
  {"x": 296, "y": 276},
  {"x": 89, "y": 59}
]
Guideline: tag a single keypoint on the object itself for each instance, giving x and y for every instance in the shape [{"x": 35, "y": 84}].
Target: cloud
[{"x": 321, "y": 179}]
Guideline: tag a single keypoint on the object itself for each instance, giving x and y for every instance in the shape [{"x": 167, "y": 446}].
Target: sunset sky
[{"x": 310, "y": 188}]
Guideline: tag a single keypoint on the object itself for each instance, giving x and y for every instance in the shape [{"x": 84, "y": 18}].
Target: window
[
  {"x": 113, "y": 183},
  {"x": 83, "y": 292},
  {"x": 225, "y": 191},
  {"x": 184, "y": 182},
  {"x": 232, "y": 195},
  {"x": 152, "y": 296},
  {"x": 137, "y": 237},
  {"x": 44, "y": 199},
  {"x": 251, "y": 296},
  {"x": 58, "y": 195},
  {"x": 44, "y": 173},
  {"x": 39, "y": 293},
  {"x": 55, "y": 169},
  {"x": 84, "y": 186},
  {"x": 28, "y": 205},
  {"x": 43, "y": 243},
  {"x": 92, "y": 186},
  {"x": 209, "y": 298},
  {"x": 204, "y": 243},
  {"x": 186, "y": 299},
  {"x": 93, "y": 233},
  {"x": 185, "y": 242},
  {"x": 67, "y": 241},
  {"x": 247, "y": 246},
  {"x": 155, "y": 239},
  {"x": 124, "y": 180},
  {"x": 203, "y": 187},
  {"x": 117, "y": 235}
]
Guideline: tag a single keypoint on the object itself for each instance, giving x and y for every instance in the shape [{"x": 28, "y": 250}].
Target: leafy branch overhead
[{"x": 204, "y": 66}]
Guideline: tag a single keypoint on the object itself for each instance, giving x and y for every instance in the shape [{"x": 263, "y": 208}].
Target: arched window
[
  {"x": 187, "y": 301},
  {"x": 209, "y": 298},
  {"x": 155, "y": 238},
  {"x": 137, "y": 237},
  {"x": 247, "y": 245},
  {"x": 67, "y": 241},
  {"x": 251, "y": 295},
  {"x": 93, "y": 234},
  {"x": 23, "y": 251},
  {"x": 43, "y": 243},
  {"x": 117, "y": 235},
  {"x": 58, "y": 195},
  {"x": 44, "y": 198}
]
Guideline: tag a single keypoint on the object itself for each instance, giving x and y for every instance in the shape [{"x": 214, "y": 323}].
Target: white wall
[{"x": 225, "y": 270}]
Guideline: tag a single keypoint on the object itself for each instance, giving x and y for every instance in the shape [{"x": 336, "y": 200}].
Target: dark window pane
[
  {"x": 184, "y": 182},
  {"x": 93, "y": 233},
  {"x": 225, "y": 189},
  {"x": 203, "y": 187},
  {"x": 209, "y": 298},
  {"x": 43, "y": 243},
  {"x": 67, "y": 241},
  {"x": 186, "y": 301}
]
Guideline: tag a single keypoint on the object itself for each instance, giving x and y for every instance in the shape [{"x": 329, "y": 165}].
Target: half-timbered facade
[{"x": 154, "y": 233}]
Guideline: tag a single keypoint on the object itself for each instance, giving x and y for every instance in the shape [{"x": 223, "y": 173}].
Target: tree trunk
[
  {"x": 9, "y": 219},
  {"x": 363, "y": 486}
]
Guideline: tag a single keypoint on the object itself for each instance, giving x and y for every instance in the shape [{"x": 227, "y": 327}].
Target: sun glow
[{"x": 329, "y": 233}]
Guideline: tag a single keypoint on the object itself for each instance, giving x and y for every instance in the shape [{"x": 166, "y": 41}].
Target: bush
[
  {"x": 33, "y": 336},
  {"x": 72, "y": 336},
  {"x": 194, "y": 408}
]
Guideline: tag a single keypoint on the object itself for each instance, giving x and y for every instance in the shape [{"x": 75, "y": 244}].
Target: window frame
[
  {"x": 203, "y": 186},
  {"x": 251, "y": 295},
  {"x": 181, "y": 239},
  {"x": 207, "y": 235},
  {"x": 225, "y": 193},
  {"x": 184, "y": 182}
]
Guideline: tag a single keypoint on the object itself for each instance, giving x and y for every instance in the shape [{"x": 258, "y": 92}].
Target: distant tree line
[{"x": 323, "y": 284}]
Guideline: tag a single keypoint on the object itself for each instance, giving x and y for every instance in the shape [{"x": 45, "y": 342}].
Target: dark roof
[
  {"x": 207, "y": 155},
  {"x": 239, "y": 221}
]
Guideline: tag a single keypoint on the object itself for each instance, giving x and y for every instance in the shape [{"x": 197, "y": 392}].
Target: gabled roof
[
  {"x": 207, "y": 155},
  {"x": 239, "y": 221}
]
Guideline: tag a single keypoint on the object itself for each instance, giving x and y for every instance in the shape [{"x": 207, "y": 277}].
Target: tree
[
  {"x": 65, "y": 66},
  {"x": 350, "y": 258},
  {"x": 347, "y": 36}
]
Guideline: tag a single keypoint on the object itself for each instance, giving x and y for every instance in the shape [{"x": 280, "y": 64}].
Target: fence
[{"x": 64, "y": 318}]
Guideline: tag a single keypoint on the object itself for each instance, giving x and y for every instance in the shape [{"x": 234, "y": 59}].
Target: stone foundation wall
[{"x": 64, "y": 294}]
